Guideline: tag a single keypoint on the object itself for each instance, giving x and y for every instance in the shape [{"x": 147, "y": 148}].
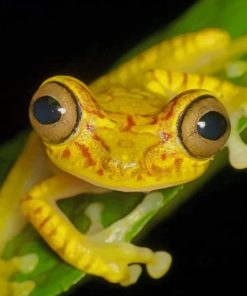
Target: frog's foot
[
  {"x": 116, "y": 261},
  {"x": 157, "y": 263},
  {"x": 24, "y": 264},
  {"x": 156, "y": 268}
]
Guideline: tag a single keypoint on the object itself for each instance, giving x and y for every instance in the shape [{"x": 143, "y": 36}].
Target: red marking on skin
[
  {"x": 95, "y": 102},
  {"x": 85, "y": 152},
  {"x": 101, "y": 141},
  {"x": 157, "y": 169},
  {"x": 54, "y": 231},
  {"x": 154, "y": 120},
  {"x": 139, "y": 177},
  {"x": 66, "y": 153},
  {"x": 177, "y": 163},
  {"x": 100, "y": 172},
  {"x": 27, "y": 198},
  {"x": 163, "y": 156},
  {"x": 44, "y": 222},
  {"x": 169, "y": 114},
  {"x": 37, "y": 211},
  {"x": 95, "y": 112},
  {"x": 130, "y": 123}
]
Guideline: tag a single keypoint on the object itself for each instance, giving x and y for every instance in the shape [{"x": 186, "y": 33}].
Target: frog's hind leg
[
  {"x": 189, "y": 52},
  {"x": 228, "y": 60},
  {"x": 92, "y": 254}
]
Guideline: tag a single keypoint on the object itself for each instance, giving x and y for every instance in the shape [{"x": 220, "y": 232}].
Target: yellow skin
[{"x": 126, "y": 140}]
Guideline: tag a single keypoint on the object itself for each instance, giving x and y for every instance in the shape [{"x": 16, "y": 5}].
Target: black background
[{"x": 208, "y": 235}]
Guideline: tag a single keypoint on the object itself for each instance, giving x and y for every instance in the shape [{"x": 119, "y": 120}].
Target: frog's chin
[{"x": 126, "y": 188}]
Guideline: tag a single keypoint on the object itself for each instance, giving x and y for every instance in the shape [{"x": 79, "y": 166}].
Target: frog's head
[{"x": 143, "y": 153}]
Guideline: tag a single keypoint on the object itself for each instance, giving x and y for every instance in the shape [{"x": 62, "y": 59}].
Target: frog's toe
[
  {"x": 159, "y": 265},
  {"x": 94, "y": 213},
  {"x": 135, "y": 271}
]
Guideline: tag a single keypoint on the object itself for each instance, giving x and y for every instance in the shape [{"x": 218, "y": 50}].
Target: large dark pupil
[
  {"x": 212, "y": 125},
  {"x": 47, "y": 110}
]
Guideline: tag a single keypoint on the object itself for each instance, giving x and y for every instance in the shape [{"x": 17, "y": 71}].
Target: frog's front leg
[{"x": 108, "y": 260}]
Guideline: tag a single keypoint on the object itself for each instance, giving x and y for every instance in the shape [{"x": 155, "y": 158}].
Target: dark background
[{"x": 208, "y": 235}]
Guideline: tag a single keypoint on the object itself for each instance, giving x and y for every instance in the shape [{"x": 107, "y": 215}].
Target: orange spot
[
  {"x": 100, "y": 172},
  {"x": 130, "y": 123},
  {"x": 37, "y": 211},
  {"x": 139, "y": 177},
  {"x": 178, "y": 162},
  {"x": 164, "y": 156},
  {"x": 157, "y": 169},
  {"x": 66, "y": 153},
  {"x": 101, "y": 141},
  {"x": 85, "y": 152}
]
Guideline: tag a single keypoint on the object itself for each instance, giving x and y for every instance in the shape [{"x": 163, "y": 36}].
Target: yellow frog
[{"x": 154, "y": 122}]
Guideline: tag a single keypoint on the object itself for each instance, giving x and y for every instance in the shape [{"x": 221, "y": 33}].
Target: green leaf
[
  {"x": 242, "y": 124},
  {"x": 230, "y": 16}
]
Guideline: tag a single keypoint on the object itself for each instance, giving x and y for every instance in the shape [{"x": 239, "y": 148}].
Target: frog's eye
[
  {"x": 54, "y": 112},
  {"x": 204, "y": 127}
]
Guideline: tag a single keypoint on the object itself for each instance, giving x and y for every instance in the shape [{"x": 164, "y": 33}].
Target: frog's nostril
[{"x": 47, "y": 110}]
